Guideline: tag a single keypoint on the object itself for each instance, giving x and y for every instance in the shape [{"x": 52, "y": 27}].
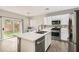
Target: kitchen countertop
[{"x": 33, "y": 36}]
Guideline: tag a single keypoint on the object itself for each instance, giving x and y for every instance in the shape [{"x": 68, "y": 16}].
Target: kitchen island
[{"x": 34, "y": 42}]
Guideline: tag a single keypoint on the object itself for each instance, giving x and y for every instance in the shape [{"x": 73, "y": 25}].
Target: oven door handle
[{"x": 54, "y": 31}]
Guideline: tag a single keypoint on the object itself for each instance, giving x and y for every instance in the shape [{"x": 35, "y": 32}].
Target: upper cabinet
[
  {"x": 47, "y": 20},
  {"x": 63, "y": 19}
]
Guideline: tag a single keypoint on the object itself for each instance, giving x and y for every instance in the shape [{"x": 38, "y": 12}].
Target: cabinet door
[
  {"x": 64, "y": 19},
  {"x": 47, "y": 21},
  {"x": 64, "y": 34},
  {"x": 46, "y": 43},
  {"x": 47, "y": 40}
]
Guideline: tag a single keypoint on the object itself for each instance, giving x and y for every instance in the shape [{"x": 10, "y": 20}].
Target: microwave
[{"x": 55, "y": 22}]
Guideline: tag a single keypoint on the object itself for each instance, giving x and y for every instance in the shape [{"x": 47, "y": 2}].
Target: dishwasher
[{"x": 40, "y": 44}]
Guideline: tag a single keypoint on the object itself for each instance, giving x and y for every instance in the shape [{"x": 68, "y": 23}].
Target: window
[{"x": 9, "y": 27}]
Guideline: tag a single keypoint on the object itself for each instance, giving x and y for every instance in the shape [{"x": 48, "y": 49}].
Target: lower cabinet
[
  {"x": 40, "y": 45},
  {"x": 37, "y": 46},
  {"x": 47, "y": 40},
  {"x": 27, "y": 46}
]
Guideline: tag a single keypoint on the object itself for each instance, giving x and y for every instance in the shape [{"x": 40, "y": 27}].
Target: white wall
[
  {"x": 36, "y": 21},
  {"x": 26, "y": 23}
]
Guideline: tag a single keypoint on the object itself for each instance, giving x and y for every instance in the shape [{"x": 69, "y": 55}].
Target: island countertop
[{"x": 33, "y": 36}]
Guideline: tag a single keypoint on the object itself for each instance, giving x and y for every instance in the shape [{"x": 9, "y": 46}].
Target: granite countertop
[{"x": 33, "y": 36}]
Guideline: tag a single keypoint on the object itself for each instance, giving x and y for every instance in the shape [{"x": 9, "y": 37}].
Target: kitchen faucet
[{"x": 40, "y": 27}]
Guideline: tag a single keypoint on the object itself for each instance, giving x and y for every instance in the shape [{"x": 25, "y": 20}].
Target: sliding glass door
[
  {"x": 7, "y": 25},
  {"x": 10, "y": 27}
]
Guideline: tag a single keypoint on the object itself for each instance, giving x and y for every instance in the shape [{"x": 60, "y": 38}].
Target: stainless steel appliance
[
  {"x": 56, "y": 31},
  {"x": 55, "y": 22},
  {"x": 40, "y": 44}
]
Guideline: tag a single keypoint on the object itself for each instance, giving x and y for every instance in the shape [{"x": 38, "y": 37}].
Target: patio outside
[{"x": 10, "y": 28}]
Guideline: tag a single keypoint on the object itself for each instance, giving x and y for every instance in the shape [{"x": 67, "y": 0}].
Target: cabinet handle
[{"x": 40, "y": 41}]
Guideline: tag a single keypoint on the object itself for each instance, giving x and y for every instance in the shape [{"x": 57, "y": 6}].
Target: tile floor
[
  {"x": 60, "y": 46},
  {"x": 10, "y": 45}
]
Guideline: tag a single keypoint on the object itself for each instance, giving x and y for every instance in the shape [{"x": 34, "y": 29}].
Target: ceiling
[{"x": 35, "y": 10}]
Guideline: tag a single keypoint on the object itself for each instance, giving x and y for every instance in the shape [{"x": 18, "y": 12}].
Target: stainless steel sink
[{"x": 41, "y": 32}]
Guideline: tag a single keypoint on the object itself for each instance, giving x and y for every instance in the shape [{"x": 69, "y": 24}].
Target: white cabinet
[
  {"x": 64, "y": 19},
  {"x": 47, "y": 21},
  {"x": 64, "y": 31},
  {"x": 64, "y": 34},
  {"x": 47, "y": 40},
  {"x": 27, "y": 46}
]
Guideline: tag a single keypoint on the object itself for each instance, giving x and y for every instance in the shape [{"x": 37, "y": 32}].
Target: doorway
[{"x": 9, "y": 27}]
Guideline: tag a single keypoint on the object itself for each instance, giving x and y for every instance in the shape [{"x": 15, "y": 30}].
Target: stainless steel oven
[{"x": 56, "y": 31}]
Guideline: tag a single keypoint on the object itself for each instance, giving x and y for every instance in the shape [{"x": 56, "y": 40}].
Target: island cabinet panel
[
  {"x": 34, "y": 42},
  {"x": 47, "y": 40},
  {"x": 27, "y": 46},
  {"x": 37, "y": 46}
]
